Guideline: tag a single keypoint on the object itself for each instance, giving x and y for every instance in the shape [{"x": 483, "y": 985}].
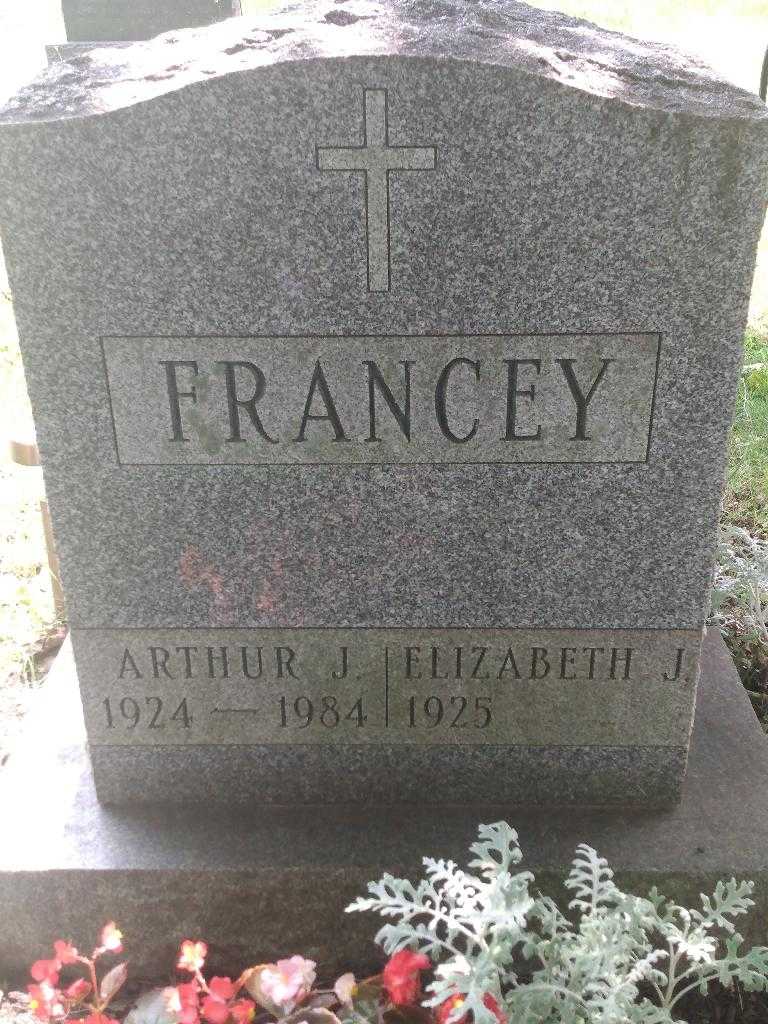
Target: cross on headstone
[{"x": 376, "y": 158}]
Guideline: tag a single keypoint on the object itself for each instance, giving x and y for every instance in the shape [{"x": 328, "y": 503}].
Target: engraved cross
[{"x": 376, "y": 159}]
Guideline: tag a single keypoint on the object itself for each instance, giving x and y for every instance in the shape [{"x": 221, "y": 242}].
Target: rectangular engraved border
[
  {"x": 367, "y": 466},
  {"x": 692, "y": 638}
]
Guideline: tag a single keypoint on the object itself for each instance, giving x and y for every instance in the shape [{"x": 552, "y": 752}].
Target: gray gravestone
[
  {"x": 119, "y": 22},
  {"x": 383, "y": 359},
  {"x": 115, "y": 20}
]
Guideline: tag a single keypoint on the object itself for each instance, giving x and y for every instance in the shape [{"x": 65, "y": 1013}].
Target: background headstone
[
  {"x": 119, "y": 22},
  {"x": 383, "y": 365},
  {"x": 127, "y": 20}
]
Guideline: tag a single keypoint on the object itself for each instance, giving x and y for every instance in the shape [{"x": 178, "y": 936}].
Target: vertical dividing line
[{"x": 386, "y": 687}]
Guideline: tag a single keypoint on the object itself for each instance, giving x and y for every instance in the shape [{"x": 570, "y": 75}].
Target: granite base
[
  {"x": 642, "y": 776},
  {"x": 262, "y": 884}
]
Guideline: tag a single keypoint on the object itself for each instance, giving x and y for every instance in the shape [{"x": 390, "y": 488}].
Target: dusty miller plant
[
  {"x": 740, "y": 588},
  {"x": 618, "y": 958}
]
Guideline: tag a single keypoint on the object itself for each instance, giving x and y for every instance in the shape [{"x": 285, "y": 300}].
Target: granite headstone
[
  {"x": 128, "y": 20},
  {"x": 383, "y": 358},
  {"x": 117, "y": 23}
]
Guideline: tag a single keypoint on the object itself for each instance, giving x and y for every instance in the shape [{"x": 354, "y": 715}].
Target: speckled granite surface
[{"x": 527, "y": 177}]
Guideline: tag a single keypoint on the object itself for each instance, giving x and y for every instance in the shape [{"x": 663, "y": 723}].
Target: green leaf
[{"x": 112, "y": 982}]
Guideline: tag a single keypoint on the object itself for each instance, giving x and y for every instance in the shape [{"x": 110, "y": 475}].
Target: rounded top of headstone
[{"x": 501, "y": 33}]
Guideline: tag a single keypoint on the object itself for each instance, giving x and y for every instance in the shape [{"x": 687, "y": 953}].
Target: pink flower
[
  {"x": 78, "y": 990},
  {"x": 46, "y": 970},
  {"x": 402, "y": 977},
  {"x": 38, "y": 1002},
  {"x": 182, "y": 1003},
  {"x": 99, "y": 1018},
  {"x": 192, "y": 956},
  {"x": 65, "y": 952},
  {"x": 243, "y": 1011},
  {"x": 215, "y": 1008},
  {"x": 111, "y": 942},
  {"x": 45, "y": 1001},
  {"x": 288, "y": 982},
  {"x": 345, "y": 988}
]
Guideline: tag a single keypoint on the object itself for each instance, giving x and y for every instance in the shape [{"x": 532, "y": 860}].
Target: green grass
[
  {"x": 746, "y": 499},
  {"x": 755, "y": 346}
]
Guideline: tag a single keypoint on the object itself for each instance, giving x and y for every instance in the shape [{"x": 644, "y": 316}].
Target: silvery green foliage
[
  {"x": 363, "y": 1012},
  {"x": 623, "y": 959},
  {"x": 470, "y": 925},
  {"x": 153, "y": 1007},
  {"x": 740, "y": 587}
]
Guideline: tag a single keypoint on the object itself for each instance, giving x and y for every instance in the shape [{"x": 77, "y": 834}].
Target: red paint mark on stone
[{"x": 196, "y": 572}]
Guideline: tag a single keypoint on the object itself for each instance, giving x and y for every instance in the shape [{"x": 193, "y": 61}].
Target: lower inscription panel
[{"x": 360, "y": 685}]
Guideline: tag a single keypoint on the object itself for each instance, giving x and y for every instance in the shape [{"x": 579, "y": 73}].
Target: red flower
[
  {"x": 215, "y": 1008},
  {"x": 183, "y": 1003},
  {"x": 65, "y": 952},
  {"x": 99, "y": 1018},
  {"x": 38, "y": 1003},
  {"x": 192, "y": 956},
  {"x": 46, "y": 970},
  {"x": 243, "y": 1011},
  {"x": 445, "y": 1009},
  {"x": 402, "y": 977},
  {"x": 78, "y": 990},
  {"x": 45, "y": 1001}
]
